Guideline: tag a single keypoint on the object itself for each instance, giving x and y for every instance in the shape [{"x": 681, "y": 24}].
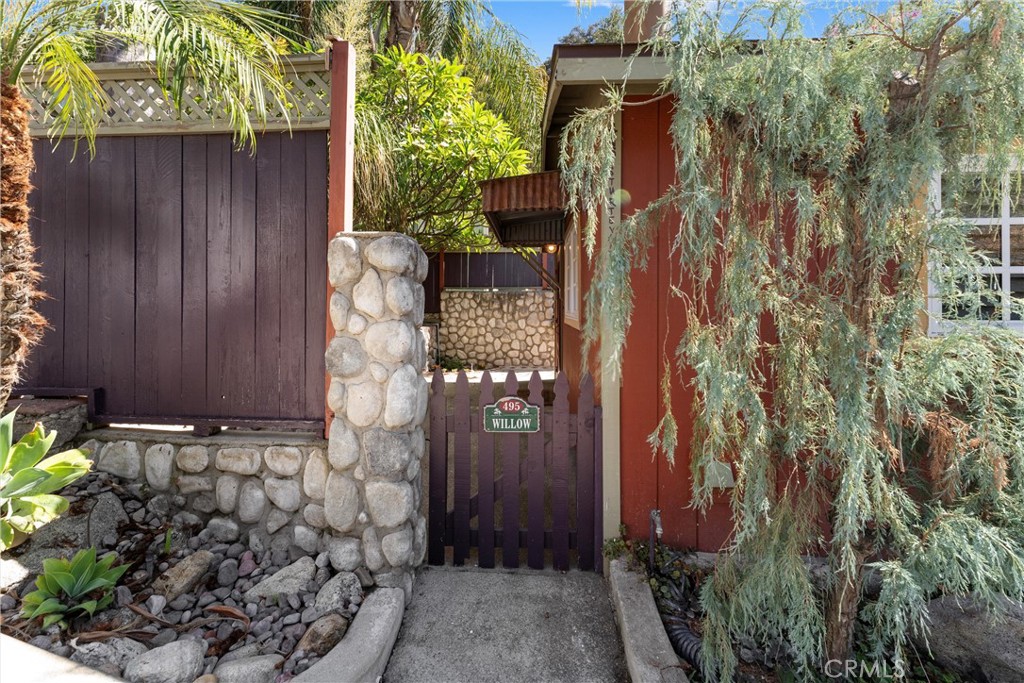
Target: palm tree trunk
[
  {"x": 403, "y": 21},
  {"x": 20, "y": 325}
]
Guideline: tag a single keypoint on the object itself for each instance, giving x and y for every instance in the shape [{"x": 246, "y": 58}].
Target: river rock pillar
[{"x": 378, "y": 397}]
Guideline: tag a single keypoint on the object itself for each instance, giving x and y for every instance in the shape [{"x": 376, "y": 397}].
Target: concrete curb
[
  {"x": 24, "y": 663},
  {"x": 363, "y": 653},
  {"x": 649, "y": 654}
]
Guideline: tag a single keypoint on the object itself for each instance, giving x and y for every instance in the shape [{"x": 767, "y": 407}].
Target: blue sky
[{"x": 543, "y": 22}]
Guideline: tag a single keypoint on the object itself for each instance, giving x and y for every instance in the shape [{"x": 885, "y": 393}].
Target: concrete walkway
[{"x": 473, "y": 625}]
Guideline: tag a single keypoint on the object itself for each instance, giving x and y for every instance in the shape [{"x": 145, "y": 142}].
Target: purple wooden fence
[
  {"x": 184, "y": 278},
  {"x": 505, "y": 493}
]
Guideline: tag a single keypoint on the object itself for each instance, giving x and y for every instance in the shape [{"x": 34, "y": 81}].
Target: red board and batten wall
[{"x": 648, "y": 481}]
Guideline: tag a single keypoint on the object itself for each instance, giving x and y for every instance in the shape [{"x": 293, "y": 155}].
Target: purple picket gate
[{"x": 500, "y": 483}]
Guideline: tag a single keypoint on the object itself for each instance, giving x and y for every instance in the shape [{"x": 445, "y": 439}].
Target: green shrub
[
  {"x": 27, "y": 482},
  {"x": 69, "y": 588}
]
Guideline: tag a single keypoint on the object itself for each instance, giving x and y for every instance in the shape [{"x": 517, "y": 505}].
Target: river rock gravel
[{"x": 208, "y": 605}]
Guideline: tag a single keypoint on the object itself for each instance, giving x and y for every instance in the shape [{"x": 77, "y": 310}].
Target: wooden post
[{"x": 340, "y": 154}]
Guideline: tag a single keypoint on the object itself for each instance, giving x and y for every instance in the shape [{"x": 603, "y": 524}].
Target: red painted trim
[{"x": 341, "y": 150}]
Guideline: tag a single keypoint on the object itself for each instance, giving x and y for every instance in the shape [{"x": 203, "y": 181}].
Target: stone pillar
[{"x": 379, "y": 400}]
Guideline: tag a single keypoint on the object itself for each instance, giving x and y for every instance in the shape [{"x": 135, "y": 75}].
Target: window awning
[{"x": 525, "y": 210}]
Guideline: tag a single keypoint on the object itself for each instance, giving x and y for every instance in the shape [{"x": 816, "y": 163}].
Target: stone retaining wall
[
  {"x": 355, "y": 496},
  {"x": 504, "y": 328}
]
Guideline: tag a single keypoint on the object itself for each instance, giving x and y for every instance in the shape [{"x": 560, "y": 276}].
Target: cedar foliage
[{"x": 853, "y": 434}]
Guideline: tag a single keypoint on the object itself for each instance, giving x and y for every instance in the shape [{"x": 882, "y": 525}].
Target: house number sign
[{"x": 511, "y": 414}]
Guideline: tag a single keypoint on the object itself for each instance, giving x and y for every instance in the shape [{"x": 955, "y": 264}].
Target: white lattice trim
[{"x": 137, "y": 105}]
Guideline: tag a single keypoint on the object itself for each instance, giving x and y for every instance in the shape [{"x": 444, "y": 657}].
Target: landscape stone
[
  {"x": 159, "y": 463},
  {"x": 227, "y": 493},
  {"x": 290, "y": 579},
  {"x": 344, "y": 260},
  {"x": 283, "y": 460},
  {"x": 117, "y": 651},
  {"x": 276, "y": 520},
  {"x": 339, "y": 310},
  {"x": 344, "y": 357},
  {"x": 386, "y": 452},
  {"x": 177, "y": 662},
  {"x": 344, "y": 553},
  {"x": 314, "y": 478},
  {"x": 395, "y": 253},
  {"x": 337, "y": 593},
  {"x": 372, "y": 552},
  {"x": 323, "y": 634},
  {"x": 336, "y": 396},
  {"x": 305, "y": 538},
  {"x": 227, "y": 573},
  {"x": 341, "y": 501},
  {"x": 192, "y": 459},
  {"x": 252, "y": 501},
  {"x": 965, "y": 638},
  {"x": 356, "y": 324},
  {"x": 223, "y": 529},
  {"x": 389, "y": 503},
  {"x": 402, "y": 396},
  {"x": 391, "y": 341},
  {"x": 192, "y": 484},
  {"x": 184, "y": 576},
  {"x": 342, "y": 448},
  {"x": 400, "y": 295},
  {"x": 238, "y": 460},
  {"x": 397, "y": 547},
  {"x": 260, "y": 669},
  {"x": 363, "y": 403},
  {"x": 368, "y": 294},
  {"x": 315, "y": 516},
  {"x": 284, "y": 493},
  {"x": 120, "y": 458}
]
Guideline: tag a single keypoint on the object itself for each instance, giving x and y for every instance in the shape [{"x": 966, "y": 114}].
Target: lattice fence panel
[{"x": 137, "y": 105}]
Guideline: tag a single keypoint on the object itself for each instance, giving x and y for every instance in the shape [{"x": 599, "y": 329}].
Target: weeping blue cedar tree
[{"x": 854, "y": 435}]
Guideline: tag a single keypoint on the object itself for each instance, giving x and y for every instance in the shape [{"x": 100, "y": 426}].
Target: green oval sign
[{"x": 511, "y": 414}]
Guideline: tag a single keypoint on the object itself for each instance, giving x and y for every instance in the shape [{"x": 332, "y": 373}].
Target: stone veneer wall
[
  {"x": 502, "y": 328},
  {"x": 355, "y": 496}
]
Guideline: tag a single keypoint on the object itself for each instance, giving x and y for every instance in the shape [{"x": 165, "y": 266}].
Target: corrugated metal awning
[{"x": 525, "y": 210}]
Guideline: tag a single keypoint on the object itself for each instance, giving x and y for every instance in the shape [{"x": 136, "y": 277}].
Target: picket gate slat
[
  {"x": 510, "y": 487},
  {"x": 560, "y": 474},
  {"x": 462, "y": 469},
  {"x": 438, "y": 503},
  {"x": 485, "y": 481},
  {"x": 535, "y": 482}
]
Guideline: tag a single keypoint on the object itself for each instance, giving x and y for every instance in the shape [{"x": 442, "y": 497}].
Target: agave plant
[
  {"x": 28, "y": 482},
  {"x": 69, "y": 588}
]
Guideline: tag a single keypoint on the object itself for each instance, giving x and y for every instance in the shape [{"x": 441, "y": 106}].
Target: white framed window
[
  {"x": 998, "y": 233},
  {"x": 571, "y": 263}
]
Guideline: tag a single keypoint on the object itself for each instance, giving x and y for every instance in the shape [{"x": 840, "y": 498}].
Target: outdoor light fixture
[{"x": 551, "y": 248}]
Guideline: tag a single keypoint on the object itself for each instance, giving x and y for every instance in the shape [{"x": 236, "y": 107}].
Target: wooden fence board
[
  {"x": 194, "y": 275},
  {"x": 438, "y": 501},
  {"x": 510, "y": 487},
  {"x": 560, "y": 474},
  {"x": 535, "y": 482},
  {"x": 462, "y": 469},
  {"x": 485, "y": 480}
]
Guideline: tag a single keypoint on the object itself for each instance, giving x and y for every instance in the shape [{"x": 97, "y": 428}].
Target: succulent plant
[
  {"x": 69, "y": 588},
  {"x": 28, "y": 482}
]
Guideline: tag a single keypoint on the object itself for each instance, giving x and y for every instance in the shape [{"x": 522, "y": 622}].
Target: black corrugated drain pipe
[{"x": 685, "y": 642}]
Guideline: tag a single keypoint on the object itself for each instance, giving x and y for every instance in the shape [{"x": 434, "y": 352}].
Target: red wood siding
[{"x": 647, "y": 481}]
